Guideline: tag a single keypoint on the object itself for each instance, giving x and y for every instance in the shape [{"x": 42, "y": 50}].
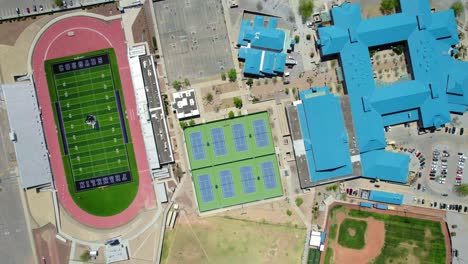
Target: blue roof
[
  {"x": 386, "y": 197},
  {"x": 267, "y": 44},
  {"x": 269, "y": 38},
  {"x": 440, "y": 82},
  {"x": 261, "y": 62},
  {"x": 386, "y": 166},
  {"x": 324, "y": 134}
]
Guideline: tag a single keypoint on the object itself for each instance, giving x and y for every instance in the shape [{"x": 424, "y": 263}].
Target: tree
[
  {"x": 191, "y": 122},
  {"x": 388, "y": 6},
  {"x": 249, "y": 82},
  {"x": 237, "y": 102},
  {"x": 223, "y": 76},
  {"x": 289, "y": 212},
  {"x": 186, "y": 82},
  {"x": 231, "y": 114},
  {"x": 209, "y": 97},
  {"x": 310, "y": 80},
  {"x": 259, "y": 6},
  {"x": 457, "y": 8},
  {"x": 462, "y": 189},
  {"x": 183, "y": 124},
  {"x": 275, "y": 80},
  {"x": 232, "y": 75},
  {"x": 177, "y": 85},
  {"x": 299, "y": 201},
  {"x": 58, "y": 2},
  {"x": 294, "y": 90},
  {"x": 306, "y": 7},
  {"x": 308, "y": 36},
  {"x": 286, "y": 91},
  {"x": 297, "y": 38}
]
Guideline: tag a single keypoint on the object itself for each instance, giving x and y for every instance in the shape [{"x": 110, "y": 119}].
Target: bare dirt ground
[
  {"x": 314, "y": 78},
  {"x": 374, "y": 238},
  {"x": 48, "y": 248},
  {"x": 224, "y": 240}
]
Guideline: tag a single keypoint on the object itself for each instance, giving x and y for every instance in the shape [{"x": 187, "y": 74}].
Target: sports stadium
[{"x": 88, "y": 108}]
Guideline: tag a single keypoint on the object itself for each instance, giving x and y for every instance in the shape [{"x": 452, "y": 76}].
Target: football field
[{"x": 90, "y": 117}]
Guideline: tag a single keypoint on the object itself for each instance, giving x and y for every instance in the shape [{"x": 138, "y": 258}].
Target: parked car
[
  {"x": 34, "y": 8},
  {"x": 445, "y": 194},
  {"x": 462, "y": 130},
  {"x": 435, "y": 204},
  {"x": 18, "y": 11},
  {"x": 28, "y": 10},
  {"x": 446, "y": 129},
  {"x": 41, "y": 8},
  {"x": 466, "y": 209},
  {"x": 454, "y": 129},
  {"x": 418, "y": 154}
]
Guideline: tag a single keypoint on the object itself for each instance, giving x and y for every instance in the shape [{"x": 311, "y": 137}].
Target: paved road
[{"x": 15, "y": 246}]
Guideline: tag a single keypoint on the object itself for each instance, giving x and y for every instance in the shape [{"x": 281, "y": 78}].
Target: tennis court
[
  {"x": 233, "y": 161},
  {"x": 229, "y": 140}
]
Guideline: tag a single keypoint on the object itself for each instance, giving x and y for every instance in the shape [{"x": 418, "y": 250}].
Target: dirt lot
[{"x": 226, "y": 240}]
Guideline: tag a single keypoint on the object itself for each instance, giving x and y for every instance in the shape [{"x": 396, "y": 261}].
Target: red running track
[{"x": 89, "y": 34}]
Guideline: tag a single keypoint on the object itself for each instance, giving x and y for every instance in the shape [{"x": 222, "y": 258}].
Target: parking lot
[
  {"x": 15, "y": 246},
  {"x": 12, "y": 9}
]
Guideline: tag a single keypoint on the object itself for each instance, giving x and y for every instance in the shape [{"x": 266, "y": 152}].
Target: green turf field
[
  {"x": 92, "y": 153},
  {"x": 357, "y": 241},
  {"x": 251, "y": 158}
]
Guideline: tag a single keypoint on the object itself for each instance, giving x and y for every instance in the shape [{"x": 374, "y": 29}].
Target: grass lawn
[
  {"x": 408, "y": 239},
  {"x": 356, "y": 240},
  {"x": 226, "y": 240},
  {"x": 99, "y": 155}
]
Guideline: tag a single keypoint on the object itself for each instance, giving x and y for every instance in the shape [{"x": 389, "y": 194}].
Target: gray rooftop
[
  {"x": 25, "y": 123},
  {"x": 185, "y": 104}
]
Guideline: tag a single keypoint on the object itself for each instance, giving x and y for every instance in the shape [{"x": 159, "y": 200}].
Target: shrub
[
  {"x": 297, "y": 38},
  {"x": 177, "y": 85},
  {"x": 299, "y": 201},
  {"x": 223, "y": 76},
  {"x": 237, "y": 102},
  {"x": 308, "y": 36},
  {"x": 232, "y": 75},
  {"x": 289, "y": 212},
  {"x": 231, "y": 114}
]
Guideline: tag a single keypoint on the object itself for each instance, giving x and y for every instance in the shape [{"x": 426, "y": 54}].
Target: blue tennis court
[
  {"x": 206, "y": 189},
  {"x": 240, "y": 141},
  {"x": 227, "y": 186},
  {"x": 268, "y": 173},
  {"x": 219, "y": 144},
  {"x": 261, "y": 136},
  {"x": 198, "y": 150},
  {"x": 248, "y": 180}
]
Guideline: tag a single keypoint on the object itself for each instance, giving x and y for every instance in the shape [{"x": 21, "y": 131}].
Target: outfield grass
[
  {"x": 224, "y": 240},
  {"x": 358, "y": 240},
  {"x": 91, "y": 91},
  {"x": 406, "y": 236}
]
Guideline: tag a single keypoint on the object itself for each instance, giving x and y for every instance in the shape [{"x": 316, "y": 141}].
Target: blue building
[
  {"x": 439, "y": 83},
  {"x": 325, "y": 141},
  {"x": 386, "y": 197},
  {"x": 263, "y": 48}
]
